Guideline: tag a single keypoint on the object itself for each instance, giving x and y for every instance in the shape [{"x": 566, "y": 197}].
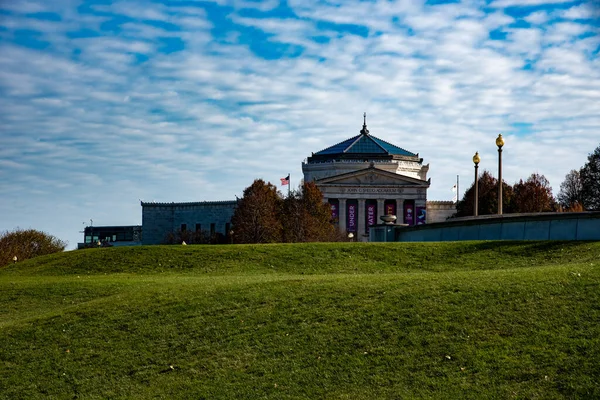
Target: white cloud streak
[{"x": 90, "y": 127}]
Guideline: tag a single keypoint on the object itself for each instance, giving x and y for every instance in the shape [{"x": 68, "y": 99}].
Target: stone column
[
  {"x": 380, "y": 210},
  {"x": 400, "y": 211},
  {"x": 342, "y": 215},
  {"x": 362, "y": 212}
]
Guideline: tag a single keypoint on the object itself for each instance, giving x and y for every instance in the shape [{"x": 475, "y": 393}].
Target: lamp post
[
  {"x": 499, "y": 143},
  {"x": 351, "y": 236},
  {"x": 476, "y": 161}
]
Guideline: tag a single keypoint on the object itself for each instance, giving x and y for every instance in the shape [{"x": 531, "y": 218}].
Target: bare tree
[
  {"x": 571, "y": 191},
  {"x": 590, "y": 181}
]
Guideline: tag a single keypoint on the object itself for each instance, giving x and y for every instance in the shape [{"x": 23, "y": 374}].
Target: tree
[
  {"x": 488, "y": 197},
  {"x": 590, "y": 181},
  {"x": 25, "y": 244},
  {"x": 571, "y": 191},
  {"x": 257, "y": 218},
  {"x": 306, "y": 218},
  {"x": 533, "y": 195}
]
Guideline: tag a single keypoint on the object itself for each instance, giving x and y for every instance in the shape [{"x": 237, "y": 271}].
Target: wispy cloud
[{"x": 104, "y": 104}]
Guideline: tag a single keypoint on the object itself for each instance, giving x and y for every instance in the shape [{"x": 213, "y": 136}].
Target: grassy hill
[{"x": 337, "y": 321}]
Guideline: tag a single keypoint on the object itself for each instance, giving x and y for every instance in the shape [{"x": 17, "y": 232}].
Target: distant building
[
  {"x": 111, "y": 236},
  {"x": 161, "y": 219},
  {"x": 364, "y": 178}
]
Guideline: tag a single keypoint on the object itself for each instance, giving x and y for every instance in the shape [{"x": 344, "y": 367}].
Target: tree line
[
  {"x": 580, "y": 191},
  {"x": 263, "y": 215}
]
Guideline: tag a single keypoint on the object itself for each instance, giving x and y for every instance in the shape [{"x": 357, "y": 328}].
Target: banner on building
[
  {"x": 334, "y": 211},
  {"x": 409, "y": 212},
  {"x": 371, "y": 215},
  {"x": 390, "y": 209},
  {"x": 351, "y": 225},
  {"x": 421, "y": 215}
]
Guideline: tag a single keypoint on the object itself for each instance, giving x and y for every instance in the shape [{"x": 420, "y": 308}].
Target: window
[
  {"x": 198, "y": 227},
  {"x": 212, "y": 229},
  {"x": 183, "y": 227},
  {"x": 227, "y": 228}
]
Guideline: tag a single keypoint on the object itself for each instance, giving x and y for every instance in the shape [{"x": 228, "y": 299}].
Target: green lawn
[{"x": 305, "y": 321}]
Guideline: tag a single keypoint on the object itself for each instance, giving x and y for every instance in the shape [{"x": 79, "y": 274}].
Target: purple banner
[
  {"x": 351, "y": 226},
  {"x": 409, "y": 212},
  {"x": 371, "y": 215},
  {"x": 334, "y": 211},
  {"x": 421, "y": 215},
  {"x": 390, "y": 209}
]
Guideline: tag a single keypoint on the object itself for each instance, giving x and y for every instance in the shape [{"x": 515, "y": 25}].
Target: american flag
[{"x": 285, "y": 181}]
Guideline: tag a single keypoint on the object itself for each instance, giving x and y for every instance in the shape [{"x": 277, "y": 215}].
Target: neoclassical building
[
  {"x": 365, "y": 177},
  {"x": 362, "y": 178}
]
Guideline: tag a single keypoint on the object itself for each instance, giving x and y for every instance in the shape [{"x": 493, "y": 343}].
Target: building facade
[
  {"x": 111, "y": 236},
  {"x": 364, "y": 178},
  {"x": 161, "y": 219}
]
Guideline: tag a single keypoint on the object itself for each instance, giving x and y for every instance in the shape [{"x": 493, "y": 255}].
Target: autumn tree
[
  {"x": 257, "y": 218},
  {"x": 533, "y": 195},
  {"x": 488, "y": 197},
  {"x": 306, "y": 218},
  {"x": 571, "y": 191},
  {"x": 25, "y": 244},
  {"x": 590, "y": 181}
]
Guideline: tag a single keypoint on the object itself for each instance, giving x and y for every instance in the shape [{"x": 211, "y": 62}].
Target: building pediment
[{"x": 372, "y": 176}]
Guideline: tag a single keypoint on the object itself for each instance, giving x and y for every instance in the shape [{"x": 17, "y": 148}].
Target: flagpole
[
  {"x": 457, "y": 191},
  {"x": 289, "y": 185}
]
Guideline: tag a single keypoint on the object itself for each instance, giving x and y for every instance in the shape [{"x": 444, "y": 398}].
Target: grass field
[{"x": 305, "y": 321}]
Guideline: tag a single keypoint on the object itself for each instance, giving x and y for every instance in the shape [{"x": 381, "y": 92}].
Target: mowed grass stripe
[
  {"x": 501, "y": 332},
  {"x": 27, "y": 295},
  {"x": 307, "y": 258}
]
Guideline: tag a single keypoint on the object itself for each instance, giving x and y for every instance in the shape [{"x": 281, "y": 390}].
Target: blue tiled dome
[{"x": 365, "y": 144}]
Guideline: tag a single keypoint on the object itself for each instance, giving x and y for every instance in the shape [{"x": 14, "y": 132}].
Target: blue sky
[{"x": 104, "y": 103}]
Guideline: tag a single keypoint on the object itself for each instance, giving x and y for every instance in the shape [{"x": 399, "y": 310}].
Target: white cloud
[
  {"x": 537, "y": 18},
  {"x": 524, "y": 3},
  {"x": 581, "y": 11},
  {"x": 103, "y": 130}
]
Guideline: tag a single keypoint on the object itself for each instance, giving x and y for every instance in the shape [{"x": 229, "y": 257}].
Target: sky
[{"x": 106, "y": 103}]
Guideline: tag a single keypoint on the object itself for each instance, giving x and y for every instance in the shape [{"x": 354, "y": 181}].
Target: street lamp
[
  {"x": 351, "y": 236},
  {"x": 499, "y": 143},
  {"x": 476, "y": 161}
]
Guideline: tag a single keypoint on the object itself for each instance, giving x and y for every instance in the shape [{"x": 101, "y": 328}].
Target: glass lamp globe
[{"x": 499, "y": 141}]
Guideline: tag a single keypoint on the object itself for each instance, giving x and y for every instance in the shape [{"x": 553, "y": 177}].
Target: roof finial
[{"x": 364, "y": 129}]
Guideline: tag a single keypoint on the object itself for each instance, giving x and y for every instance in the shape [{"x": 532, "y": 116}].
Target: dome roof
[{"x": 365, "y": 144}]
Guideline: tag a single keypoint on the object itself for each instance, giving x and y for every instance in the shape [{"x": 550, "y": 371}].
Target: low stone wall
[
  {"x": 538, "y": 226},
  {"x": 440, "y": 211}
]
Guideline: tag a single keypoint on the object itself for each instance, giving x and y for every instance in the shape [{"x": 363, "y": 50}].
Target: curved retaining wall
[{"x": 539, "y": 226}]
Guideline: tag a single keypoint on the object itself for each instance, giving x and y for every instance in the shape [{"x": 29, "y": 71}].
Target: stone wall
[
  {"x": 538, "y": 226},
  {"x": 160, "y": 219},
  {"x": 440, "y": 211}
]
